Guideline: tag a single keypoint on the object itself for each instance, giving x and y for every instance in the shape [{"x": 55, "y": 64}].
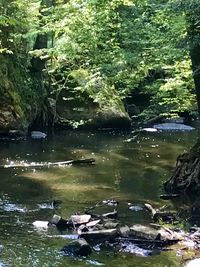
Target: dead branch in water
[{"x": 49, "y": 164}]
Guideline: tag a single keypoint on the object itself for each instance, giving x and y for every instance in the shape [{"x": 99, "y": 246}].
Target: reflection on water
[{"x": 131, "y": 172}]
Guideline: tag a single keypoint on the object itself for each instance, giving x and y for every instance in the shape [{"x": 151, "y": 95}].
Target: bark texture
[{"x": 186, "y": 176}]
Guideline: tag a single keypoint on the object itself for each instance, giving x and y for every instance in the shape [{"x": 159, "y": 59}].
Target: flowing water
[{"x": 128, "y": 169}]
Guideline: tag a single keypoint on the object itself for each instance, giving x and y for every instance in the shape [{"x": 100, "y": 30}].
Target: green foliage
[
  {"x": 101, "y": 51},
  {"x": 174, "y": 93},
  {"x": 115, "y": 45},
  {"x": 16, "y": 19}
]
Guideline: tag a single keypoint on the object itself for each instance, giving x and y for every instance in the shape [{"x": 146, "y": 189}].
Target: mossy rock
[
  {"x": 20, "y": 99},
  {"x": 80, "y": 111}
]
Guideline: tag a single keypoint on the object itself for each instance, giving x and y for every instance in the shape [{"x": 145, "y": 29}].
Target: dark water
[{"x": 127, "y": 170}]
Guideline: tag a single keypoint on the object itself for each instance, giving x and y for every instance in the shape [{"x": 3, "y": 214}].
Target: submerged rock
[
  {"x": 10, "y": 207},
  {"x": 179, "y": 120},
  {"x": 38, "y": 135},
  {"x": 54, "y": 204},
  {"x": 135, "y": 207},
  {"x": 173, "y": 127},
  {"x": 129, "y": 247},
  {"x": 110, "y": 202},
  {"x": 77, "y": 247},
  {"x": 95, "y": 263}
]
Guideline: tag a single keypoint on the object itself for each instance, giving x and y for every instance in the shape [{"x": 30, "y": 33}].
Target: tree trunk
[
  {"x": 42, "y": 39},
  {"x": 193, "y": 25}
]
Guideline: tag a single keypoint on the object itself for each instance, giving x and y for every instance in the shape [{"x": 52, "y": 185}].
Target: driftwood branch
[
  {"x": 49, "y": 164},
  {"x": 158, "y": 214}
]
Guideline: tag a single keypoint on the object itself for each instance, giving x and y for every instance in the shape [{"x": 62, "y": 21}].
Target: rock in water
[
  {"x": 150, "y": 130},
  {"x": 38, "y": 135},
  {"x": 93, "y": 223},
  {"x": 43, "y": 225},
  {"x": 80, "y": 219},
  {"x": 192, "y": 263},
  {"x": 77, "y": 247},
  {"x": 146, "y": 232},
  {"x": 124, "y": 231},
  {"x": 173, "y": 127},
  {"x": 61, "y": 223},
  {"x": 99, "y": 235}
]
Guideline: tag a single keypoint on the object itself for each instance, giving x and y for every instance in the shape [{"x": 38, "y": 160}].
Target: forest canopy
[{"x": 104, "y": 52}]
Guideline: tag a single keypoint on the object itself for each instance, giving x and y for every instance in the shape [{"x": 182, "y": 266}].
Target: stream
[{"x": 128, "y": 169}]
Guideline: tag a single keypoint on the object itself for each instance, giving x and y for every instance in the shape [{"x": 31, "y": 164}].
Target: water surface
[{"x": 128, "y": 169}]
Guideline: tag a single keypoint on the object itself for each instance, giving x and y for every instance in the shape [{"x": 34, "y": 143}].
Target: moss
[{"x": 20, "y": 94}]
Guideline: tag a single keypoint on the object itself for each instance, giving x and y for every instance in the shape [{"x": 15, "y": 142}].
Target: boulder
[
  {"x": 110, "y": 224},
  {"x": 132, "y": 110},
  {"x": 124, "y": 231},
  {"x": 141, "y": 231},
  {"x": 81, "y": 111},
  {"x": 147, "y": 232},
  {"x": 80, "y": 219},
  {"x": 77, "y": 247},
  {"x": 61, "y": 223},
  {"x": 100, "y": 235}
]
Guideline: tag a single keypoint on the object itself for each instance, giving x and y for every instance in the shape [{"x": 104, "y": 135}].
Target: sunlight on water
[{"x": 129, "y": 169}]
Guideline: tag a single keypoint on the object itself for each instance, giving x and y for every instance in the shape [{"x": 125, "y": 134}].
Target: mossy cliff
[
  {"x": 21, "y": 96},
  {"x": 88, "y": 102},
  {"x": 23, "y": 101}
]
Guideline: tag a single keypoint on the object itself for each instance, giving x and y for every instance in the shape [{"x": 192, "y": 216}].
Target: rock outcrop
[{"x": 21, "y": 99}]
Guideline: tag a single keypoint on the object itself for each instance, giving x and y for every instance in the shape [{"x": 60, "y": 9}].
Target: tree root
[{"x": 186, "y": 176}]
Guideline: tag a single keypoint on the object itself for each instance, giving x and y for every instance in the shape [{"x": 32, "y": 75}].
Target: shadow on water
[{"x": 131, "y": 171}]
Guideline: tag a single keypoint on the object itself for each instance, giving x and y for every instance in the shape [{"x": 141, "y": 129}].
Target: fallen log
[{"x": 24, "y": 164}]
